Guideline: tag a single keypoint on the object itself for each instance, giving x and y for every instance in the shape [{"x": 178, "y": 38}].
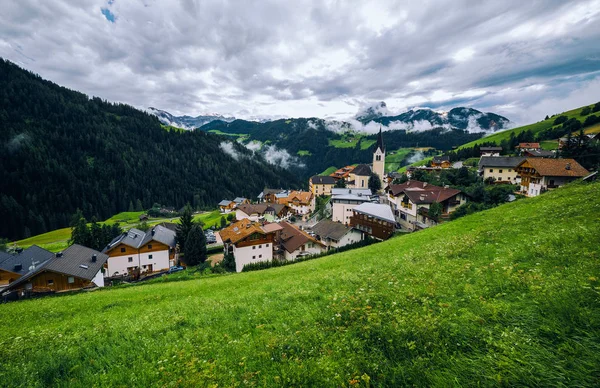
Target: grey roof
[
  {"x": 344, "y": 191},
  {"x": 383, "y": 212},
  {"x": 239, "y": 200},
  {"x": 351, "y": 197},
  {"x": 330, "y": 229},
  {"x": 322, "y": 180},
  {"x": 225, "y": 202},
  {"x": 442, "y": 158},
  {"x": 362, "y": 170},
  {"x": 77, "y": 261},
  {"x": 24, "y": 259},
  {"x": 490, "y": 149},
  {"x": 540, "y": 153},
  {"x": 135, "y": 238},
  {"x": 500, "y": 161}
]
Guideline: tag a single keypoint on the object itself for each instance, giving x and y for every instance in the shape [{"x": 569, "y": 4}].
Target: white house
[
  {"x": 500, "y": 168},
  {"x": 296, "y": 243},
  {"x": 249, "y": 242},
  {"x": 334, "y": 234},
  {"x": 344, "y": 200},
  {"x": 136, "y": 252}
]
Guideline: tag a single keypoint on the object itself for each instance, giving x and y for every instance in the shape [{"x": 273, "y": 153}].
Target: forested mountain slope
[
  {"x": 62, "y": 150},
  {"x": 504, "y": 297}
]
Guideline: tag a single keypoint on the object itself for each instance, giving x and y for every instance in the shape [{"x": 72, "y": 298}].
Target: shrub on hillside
[{"x": 560, "y": 119}]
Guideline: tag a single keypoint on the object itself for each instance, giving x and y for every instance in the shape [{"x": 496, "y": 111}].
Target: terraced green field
[{"x": 505, "y": 297}]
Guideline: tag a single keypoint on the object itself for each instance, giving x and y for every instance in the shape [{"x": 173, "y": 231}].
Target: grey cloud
[{"x": 308, "y": 58}]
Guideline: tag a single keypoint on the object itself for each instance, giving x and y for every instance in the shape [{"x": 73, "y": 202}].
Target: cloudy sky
[{"x": 521, "y": 59}]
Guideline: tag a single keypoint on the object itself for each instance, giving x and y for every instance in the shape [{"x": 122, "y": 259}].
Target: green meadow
[{"x": 504, "y": 297}]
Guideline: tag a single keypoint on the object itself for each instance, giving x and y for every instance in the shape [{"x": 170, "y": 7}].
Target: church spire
[{"x": 380, "y": 141}]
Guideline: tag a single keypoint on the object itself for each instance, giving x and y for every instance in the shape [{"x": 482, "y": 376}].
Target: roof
[
  {"x": 330, "y": 229},
  {"x": 276, "y": 208},
  {"x": 362, "y": 170},
  {"x": 322, "y": 180},
  {"x": 399, "y": 188},
  {"x": 272, "y": 228},
  {"x": 75, "y": 261},
  {"x": 528, "y": 145},
  {"x": 303, "y": 196},
  {"x": 377, "y": 210},
  {"x": 248, "y": 208},
  {"x": 293, "y": 238},
  {"x": 240, "y": 230},
  {"x": 135, "y": 238},
  {"x": 239, "y": 200},
  {"x": 500, "y": 161},
  {"x": 25, "y": 259},
  {"x": 342, "y": 172},
  {"x": 557, "y": 167},
  {"x": 484, "y": 149},
  {"x": 380, "y": 144},
  {"x": 225, "y": 202},
  {"x": 423, "y": 192},
  {"x": 539, "y": 153},
  {"x": 351, "y": 197},
  {"x": 442, "y": 158},
  {"x": 344, "y": 191}
]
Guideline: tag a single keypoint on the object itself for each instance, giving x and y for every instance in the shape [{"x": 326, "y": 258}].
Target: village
[{"x": 339, "y": 211}]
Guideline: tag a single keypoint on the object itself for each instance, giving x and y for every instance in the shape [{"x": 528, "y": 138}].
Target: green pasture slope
[
  {"x": 534, "y": 128},
  {"x": 508, "y": 296}
]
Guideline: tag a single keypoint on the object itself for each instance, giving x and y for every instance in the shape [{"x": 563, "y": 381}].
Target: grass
[
  {"x": 304, "y": 153},
  {"x": 549, "y": 145},
  {"x": 392, "y": 162},
  {"x": 329, "y": 171},
  {"x": 351, "y": 140},
  {"x": 422, "y": 162},
  {"x": 507, "y": 297},
  {"x": 534, "y": 128},
  {"x": 239, "y": 136},
  {"x": 210, "y": 219}
]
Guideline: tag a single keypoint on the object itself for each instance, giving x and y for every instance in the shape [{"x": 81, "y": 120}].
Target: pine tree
[
  {"x": 223, "y": 222},
  {"x": 195, "y": 246},
  {"x": 79, "y": 230},
  {"x": 138, "y": 206},
  {"x": 374, "y": 183},
  {"x": 186, "y": 222}
]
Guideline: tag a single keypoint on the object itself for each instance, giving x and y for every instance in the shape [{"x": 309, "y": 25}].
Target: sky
[{"x": 321, "y": 58}]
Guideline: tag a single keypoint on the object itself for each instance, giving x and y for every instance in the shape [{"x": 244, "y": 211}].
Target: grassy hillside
[
  {"x": 534, "y": 128},
  {"x": 507, "y": 297}
]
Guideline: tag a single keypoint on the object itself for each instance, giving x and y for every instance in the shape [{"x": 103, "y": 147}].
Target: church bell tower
[{"x": 379, "y": 158}]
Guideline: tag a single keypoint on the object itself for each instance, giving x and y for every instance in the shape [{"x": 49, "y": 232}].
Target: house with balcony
[
  {"x": 411, "y": 200},
  {"x": 374, "y": 219},
  {"x": 335, "y": 234},
  {"x": 539, "y": 174}
]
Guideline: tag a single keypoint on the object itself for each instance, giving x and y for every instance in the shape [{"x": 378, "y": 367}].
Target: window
[
  {"x": 149, "y": 246},
  {"x": 70, "y": 280},
  {"x": 130, "y": 259},
  {"x": 253, "y": 257},
  {"x": 253, "y": 246},
  {"x": 122, "y": 249},
  {"x": 491, "y": 170},
  {"x": 267, "y": 245},
  {"x": 510, "y": 170},
  {"x": 150, "y": 257},
  {"x": 260, "y": 246},
  {"x": 50, "y": 282},
  {"x": 259, "y": 256}
]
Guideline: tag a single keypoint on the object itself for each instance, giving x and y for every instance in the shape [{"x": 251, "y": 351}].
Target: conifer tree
[
  {"x": 186, "y": 222},
  {"x": 195, "y": 246}
]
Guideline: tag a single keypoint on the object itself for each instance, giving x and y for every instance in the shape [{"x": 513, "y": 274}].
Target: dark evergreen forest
[{"x": 62, "y": 151}]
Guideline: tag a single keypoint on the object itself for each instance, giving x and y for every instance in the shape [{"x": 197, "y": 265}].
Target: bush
[
  {"x": 586, "y": 111},
  {"x": 560, "y": 119},
  {"x": 280, "y": 263}
]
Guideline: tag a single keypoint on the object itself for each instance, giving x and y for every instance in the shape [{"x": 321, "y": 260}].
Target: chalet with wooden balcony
[
  {"x": 259, "y": 211},
  {"x": 13, "y": 266},
  {"x": 539, "y": 174},
  {"x": 335, "y": 234},
  {"x": 294, "y": 243},
  {"x": 42, "y": 271},
  {"x": 136, "y": 252},
  {"x": 374, "y": 219},
  {"x": 441, "y": 162},
  {"x": 249, "y": 242},
  {"x": 490, "y": 151},
  {"x": 408, "y": 198}
]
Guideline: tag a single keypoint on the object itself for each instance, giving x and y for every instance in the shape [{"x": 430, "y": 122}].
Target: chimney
[
  {"x": 59, "y": 254},
  {"x": 94, "y": 258},
  {"x": 568, "y": 166}
]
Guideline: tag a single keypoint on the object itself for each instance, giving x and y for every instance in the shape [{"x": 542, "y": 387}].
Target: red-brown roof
[
  {"x": 423, "y": 192},
  {"x": 293, "y": 238},
  {"x": 556, "y": 167},
  {"x": 240, "y": 230},
  {"x": 528, "y": 145}
]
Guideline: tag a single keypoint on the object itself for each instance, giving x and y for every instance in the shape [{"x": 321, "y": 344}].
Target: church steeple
[{"x": 380, "y": 141}]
